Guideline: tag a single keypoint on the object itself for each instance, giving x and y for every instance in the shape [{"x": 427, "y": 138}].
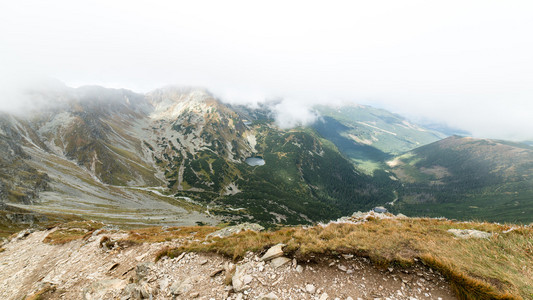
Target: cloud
[
  {"x": 466, "y": 64},
  {"x": 290, "y": 114},
  {"x": 22, "y": 95}
]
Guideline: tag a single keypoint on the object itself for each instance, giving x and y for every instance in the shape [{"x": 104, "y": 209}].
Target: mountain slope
[
  {"x": 467, "y": 178},
  {"x": 126, "y": 157},
  {"x": 369, "y": 135}
]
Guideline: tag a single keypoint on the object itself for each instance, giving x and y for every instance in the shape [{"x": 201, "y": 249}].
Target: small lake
[{"x": 255, "y": 161}]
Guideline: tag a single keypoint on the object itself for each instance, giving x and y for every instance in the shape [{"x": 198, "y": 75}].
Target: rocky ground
[{"x": 83, "y": 269}]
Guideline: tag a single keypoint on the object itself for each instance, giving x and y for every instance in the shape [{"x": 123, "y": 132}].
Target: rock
[
  {"x": 135, "y": 291},
  {"x": 299, "y": 269},
  {"x": 142, "y": 270},
  {"x": 269, "y": 296},
  {"x": 324, "y": 296},
  {"x": 98, "y": 289},
  {"x": 238, "y": 279},
  {"x": 311, "y": 289},
  {"x": 202, "y": 262},
  {"x": 342, "y": 268},
  {"x": 246, "y": 279},
  {"x": 236, "y": 229},
  {"x": 216, "y": 272},
  {"x": 23, "y": 234},
  {"x": 279, "y": 261},
  {"x": 179, "y": 288},
  {"x": 273, "y": 252},
  {"x": 163, "y": 284},
  {"x": 194, "y": 295},
  {"x": 470, "y": 233}
]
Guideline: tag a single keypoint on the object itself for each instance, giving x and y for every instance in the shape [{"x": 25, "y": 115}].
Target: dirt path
[{"x": 84, "y": 270}]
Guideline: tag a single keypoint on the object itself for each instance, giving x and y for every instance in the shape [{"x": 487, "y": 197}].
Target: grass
[
  {"x": 8, "y": 227},
  {"x": 500, "y": 267},
  {"x": 72, "y": 231},
  {"x": 161, "y": 234}
]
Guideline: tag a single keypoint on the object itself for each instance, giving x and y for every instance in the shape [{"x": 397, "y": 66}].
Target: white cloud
[
  {"x": 466, "y": 63},
  {"x": 289, "y": 114}
]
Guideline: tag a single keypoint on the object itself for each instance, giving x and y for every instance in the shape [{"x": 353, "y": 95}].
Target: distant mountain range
[{"x": 179, "y": 156}]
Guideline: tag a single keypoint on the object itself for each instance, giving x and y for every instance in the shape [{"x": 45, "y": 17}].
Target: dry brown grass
[
  {"x": 500, "y": 267},
  {"x": 72, "y": 231},
  {"x": 161, "y": 234}
]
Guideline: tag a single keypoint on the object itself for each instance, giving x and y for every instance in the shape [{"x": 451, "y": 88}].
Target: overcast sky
[{"x": 468, "y": 64}]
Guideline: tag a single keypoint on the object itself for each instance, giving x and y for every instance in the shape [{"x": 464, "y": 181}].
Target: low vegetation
[
  {"x": 71, "y": 231},
  {"x": 500, "y": 267},
  {"x": 162, "y": 234}
]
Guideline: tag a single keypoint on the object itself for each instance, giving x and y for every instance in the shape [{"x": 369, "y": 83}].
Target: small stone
[
  {"x": 279, "y": 261},
  {"x": 216, "y": 272},
  {"x": 269, "y": 296},
  {"x": 273, "y": 252},
  {"x": 202, "y": 262},
  {"x": 142, "y": 270},
  {"x": 179, "y": 288},
  {"x": 299, "y": 269},
  {"x": 324, "y": 296},
  {"x": 342, "y": 268},
  {"x": 311, "y": 289},
  {"x": 194, "y": 295},
  {"x": 247, "y": 279}
]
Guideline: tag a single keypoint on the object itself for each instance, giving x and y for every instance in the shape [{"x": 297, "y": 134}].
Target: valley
[{"x": 180, "y": 156}]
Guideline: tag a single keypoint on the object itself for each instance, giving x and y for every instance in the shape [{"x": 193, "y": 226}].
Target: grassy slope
[
  {"x": 500, "y": 267},
  {"x": 467, "y": 179},
  {"x": 385, "y": 132}
]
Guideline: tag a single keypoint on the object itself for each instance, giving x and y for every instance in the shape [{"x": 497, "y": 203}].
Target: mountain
[
  {"x": 172, "y": 156},
  {"x": 467, "y": 178},
  {"x": 368, "y": 135},
  {"x": 179, "y": 156}
]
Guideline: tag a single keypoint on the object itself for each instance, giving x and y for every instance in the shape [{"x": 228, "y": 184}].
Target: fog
[{"x": 466, "y": 64}]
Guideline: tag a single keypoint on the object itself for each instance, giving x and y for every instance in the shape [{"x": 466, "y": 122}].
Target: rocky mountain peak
[{"x": 171, "y": 102}]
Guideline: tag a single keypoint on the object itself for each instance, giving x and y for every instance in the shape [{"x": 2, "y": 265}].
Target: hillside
[
  {"x": 366, "y": 255},
  {"x": 174, "y": 156},
  {"x": 368, "y": 135},
  {"x": 467, "y": 178}
]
